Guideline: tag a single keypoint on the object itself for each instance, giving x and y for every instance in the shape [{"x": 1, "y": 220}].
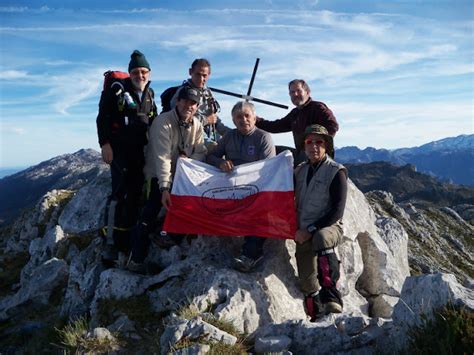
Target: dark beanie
[{"x": 138, "y": 60}]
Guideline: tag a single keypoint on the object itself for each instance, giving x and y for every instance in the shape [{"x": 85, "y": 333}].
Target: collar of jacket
[
  {"x": 181, "y": 122},
  {"x": 191, "y": 84},
  {"x": 305, "y": 104},
  {"x": 319, "y": 162},
  {"x": 248, "y": 134}
]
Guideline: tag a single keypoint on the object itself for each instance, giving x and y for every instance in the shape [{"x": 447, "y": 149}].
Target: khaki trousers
[{"x": 306, "y": 256}]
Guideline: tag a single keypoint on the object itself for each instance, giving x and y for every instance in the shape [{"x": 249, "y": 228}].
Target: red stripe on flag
[{"x": 264, "y": 214}]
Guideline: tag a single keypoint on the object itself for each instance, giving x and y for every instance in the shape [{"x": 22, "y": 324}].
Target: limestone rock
[
  {"x": 84, "y": 274},
  {"x": 382, "y": 305},
  {"x": 125, "y": 327},
  {"x": 115, "y": 283},
  {"x": 41, "y": 250},
  {"x": 382, "y": 274},
  {"x": 193, "y": 329},
  {"x": 396, "y": 238},
  {"x": 196, "y": 349},
  {"x": 78, "y": 217},
  {"x": 422, "y": 294},
  {"x": 352, "y": 325},
  {"x": 47, "y": 277},
  {"x": 272, "y": 344},
  {"x": 100, "y": 333}
]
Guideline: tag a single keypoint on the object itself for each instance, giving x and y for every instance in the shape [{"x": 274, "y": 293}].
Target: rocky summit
[{"x": 399, "y": 263}]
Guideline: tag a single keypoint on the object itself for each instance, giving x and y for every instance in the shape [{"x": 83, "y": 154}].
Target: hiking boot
[
  {"x": 332, "y": 307},
  {"x": 164, "y": 240},
  {"x": 245, "y": 264},
  {"x": 138, "y": 268},
  {"x": 313, "y": 307},
  {"x": 109, "y": 255}
]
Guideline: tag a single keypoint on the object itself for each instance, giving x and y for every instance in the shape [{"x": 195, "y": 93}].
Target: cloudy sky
[{"x": 396, "y": 73}]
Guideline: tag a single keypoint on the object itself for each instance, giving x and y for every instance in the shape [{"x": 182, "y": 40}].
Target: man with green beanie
[{"x": 126, "y": 110}]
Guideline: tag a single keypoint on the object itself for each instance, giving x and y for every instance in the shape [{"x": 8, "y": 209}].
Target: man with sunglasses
[
  {"x": 320, "y": 192},
  {"x": 126, "y": 109},
  {"x": 306, "y": 112}
]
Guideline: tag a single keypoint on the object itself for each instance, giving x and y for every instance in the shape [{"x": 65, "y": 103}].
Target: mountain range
[
  {"x": 449, "y": 159},
  {"x": 408, "y": 185},
  {"x": 69, "y": 171}
]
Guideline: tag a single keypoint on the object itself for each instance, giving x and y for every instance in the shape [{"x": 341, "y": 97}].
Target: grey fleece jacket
[{"x": 241, "y": 149}]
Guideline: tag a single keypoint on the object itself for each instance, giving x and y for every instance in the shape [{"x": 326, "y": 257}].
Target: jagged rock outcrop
[
  {"x": 69, "y": 171},
  {"x": 64, "y": 249},
  {"x": 439, "y": 239}
]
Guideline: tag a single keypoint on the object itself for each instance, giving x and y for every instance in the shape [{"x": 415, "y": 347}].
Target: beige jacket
[{"x": 167, "y": 139}]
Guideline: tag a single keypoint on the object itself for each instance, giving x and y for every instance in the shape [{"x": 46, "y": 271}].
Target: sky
[{"x": 395, "y": 73}]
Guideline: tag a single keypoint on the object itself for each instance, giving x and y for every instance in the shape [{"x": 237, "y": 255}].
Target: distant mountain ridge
[
  {"x": 408, "y": 185},
  {"x": 25, "y": 188},
  {"x": 450, "y": 159}
]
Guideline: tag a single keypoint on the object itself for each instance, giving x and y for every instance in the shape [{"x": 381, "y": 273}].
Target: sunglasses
[
  {"x": 309, "y": 141},
  {"x": 139, "y": 72}
]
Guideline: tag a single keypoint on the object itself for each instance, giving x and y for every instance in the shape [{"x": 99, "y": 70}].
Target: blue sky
[{"x": 396, "y": 73}]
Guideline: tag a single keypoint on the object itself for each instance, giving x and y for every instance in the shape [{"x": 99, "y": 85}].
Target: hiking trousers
[
  {"x": 127, "y": 186},
  {"x": 322, "y": 242},
  {"x": 146, "y": 223}
]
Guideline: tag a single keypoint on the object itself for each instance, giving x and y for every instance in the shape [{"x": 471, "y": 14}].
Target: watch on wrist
[
  {"x": 164, "y": 189},
  {"x": 311, "y": 228}
]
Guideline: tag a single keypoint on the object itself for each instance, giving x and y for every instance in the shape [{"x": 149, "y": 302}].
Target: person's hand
[
  {"x": 302, "y": 236},
  {"x": 107, "y": 153},
  {"x": 212, "y": 119},
  {"x": 226, "y": 166},
  {"x": 166, "y": 199}
]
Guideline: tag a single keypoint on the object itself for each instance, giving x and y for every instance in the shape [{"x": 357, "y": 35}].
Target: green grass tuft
[
  {"x": 73, "y": 338},
  {"x": 190, "y": 311},
  {"x": 449, "y": 331}
]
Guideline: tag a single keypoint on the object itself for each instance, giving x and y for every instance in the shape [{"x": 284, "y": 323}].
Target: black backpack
[{"x": 166, "y": 97}]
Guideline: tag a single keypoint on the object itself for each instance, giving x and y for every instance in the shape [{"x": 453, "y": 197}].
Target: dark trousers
[
  {"x": 146, "y": 223},
  {"x": 253, "y": 247},
  {"x": 127, "y": 186}
]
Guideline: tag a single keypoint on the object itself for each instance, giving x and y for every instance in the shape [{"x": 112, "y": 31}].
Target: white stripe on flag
[{"x": 195, "y": 178}]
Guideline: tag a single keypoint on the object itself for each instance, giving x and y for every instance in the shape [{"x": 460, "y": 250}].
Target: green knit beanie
[{"x": 138, "y": 60}]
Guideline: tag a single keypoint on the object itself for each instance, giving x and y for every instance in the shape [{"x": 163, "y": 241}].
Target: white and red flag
[{"x": 254, "y": 199}]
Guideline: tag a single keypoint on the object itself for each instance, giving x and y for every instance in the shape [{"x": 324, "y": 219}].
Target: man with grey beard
[
  {"x": 306, "y": 112},
  {"x": 126, "y": 110}
]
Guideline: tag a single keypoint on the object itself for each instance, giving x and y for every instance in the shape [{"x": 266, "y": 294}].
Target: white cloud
[
  {"x": 13, "y": 9},
  {"x": 13, "y": 74},
  {"x": 70, "y": 89},
  {"x": 15, "y": 130},
  {"x": 379, "y": 73}
]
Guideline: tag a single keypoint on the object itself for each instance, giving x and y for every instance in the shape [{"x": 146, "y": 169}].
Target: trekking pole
[{"x": 213, "y": 130}]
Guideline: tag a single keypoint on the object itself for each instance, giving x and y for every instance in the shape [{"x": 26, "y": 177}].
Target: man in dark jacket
[
  {"x": 306, "y": 112},
  {"x": 126, "y": 110}
]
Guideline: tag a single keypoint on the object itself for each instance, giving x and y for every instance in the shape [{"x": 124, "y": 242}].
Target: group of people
[{"x": 143, "y": 146}]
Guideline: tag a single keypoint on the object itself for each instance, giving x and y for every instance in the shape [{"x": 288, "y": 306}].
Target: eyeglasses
[
  {"x": 139, "y": 72},
  {"x": 318, "y": 142}
]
